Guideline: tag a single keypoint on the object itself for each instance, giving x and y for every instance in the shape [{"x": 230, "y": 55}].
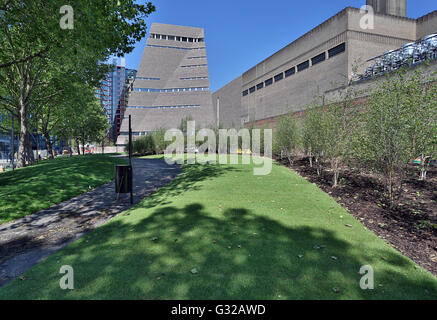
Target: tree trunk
[
  {"x": 336, "y": 173},
  {"x": 83, "y": 144},
  {"x": 422, "y": 168},
  {"x": 319, "y": 167},
  {"x": 70, "y": 147},
  {"x": 311, "y": 159},
  {"x": 31, "y": 157},
  {"x": 78, "y": 146},
  {"x": 49, "y": 144},
  {"x": 22, "y": 147},
  {"x": 390, "y": 189}
]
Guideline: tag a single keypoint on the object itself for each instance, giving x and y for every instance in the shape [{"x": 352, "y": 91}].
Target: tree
[
  {"x": 382, "y": 138},
  {"x": 339, "y": 121},
  {"x": 315, "y": 140},
  {"x": 421, "y": 100},
  {"x": 288, "y": 137},
  {"x": 33, "y": 45}
]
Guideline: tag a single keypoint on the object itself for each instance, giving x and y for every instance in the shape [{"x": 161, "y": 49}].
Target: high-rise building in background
[
  {"x": 172, "y": 82},
  {"x": 114, "y": 94},
  {"x": 130, "y": 76}
]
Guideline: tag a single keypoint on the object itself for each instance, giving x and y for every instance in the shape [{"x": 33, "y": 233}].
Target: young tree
[
  {"x": 288, "y": 137},
  {"x": 382, "y": 136},
  {"x": 421, "y": 101},
  {"x": 314, "y": 136},
  {"x": 339, "y": 121}
]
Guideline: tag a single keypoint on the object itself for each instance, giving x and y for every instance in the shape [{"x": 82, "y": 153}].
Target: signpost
[
  {"x": 124, "y": 173},
  {"x": 130, "y": 161}
]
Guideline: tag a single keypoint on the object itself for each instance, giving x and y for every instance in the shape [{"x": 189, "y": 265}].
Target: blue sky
[{"x": 241, "y": 33}]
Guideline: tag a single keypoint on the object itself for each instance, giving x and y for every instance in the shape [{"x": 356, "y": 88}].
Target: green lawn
[
  {"x": 246, "y": 236},
  {"x": 28, "y": 190}
]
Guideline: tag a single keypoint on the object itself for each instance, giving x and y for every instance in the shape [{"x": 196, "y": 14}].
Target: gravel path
[{"x": 25, "y": 242}]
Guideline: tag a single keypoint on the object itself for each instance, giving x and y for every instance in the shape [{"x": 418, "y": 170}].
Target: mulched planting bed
[{"x": 411, "y": 227}]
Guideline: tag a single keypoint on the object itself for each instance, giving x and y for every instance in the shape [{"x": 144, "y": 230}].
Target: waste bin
[{"x": 123, "y": 178}]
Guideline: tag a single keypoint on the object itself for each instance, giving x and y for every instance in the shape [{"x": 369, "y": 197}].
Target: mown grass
[
  {"x": 28, "y": 190},
  {"x": 219, "y": 232}
]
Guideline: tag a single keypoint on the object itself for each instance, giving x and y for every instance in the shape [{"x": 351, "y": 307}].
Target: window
[
  {"x": 245, "y": 93},
  {"x": 252, "y": 90},
  {"x": 184, "y": 39},
  {"x": 303, "y": 65},
  {"x": 178, "y": 38},
  {"x": 171, "y": 90},
  {"x": 190, "y": 39},
  {"x": 163, "y": 37},
  {"x": 171, "y": 38},
  {"x": 290, "y": 72},
  {"x": 200, "y": 40},
  {"x": 268, "y": 82},
  {"x": 319, "y": 58},
  {"x": 195, "y": 66},
  {"x": 259, "y": 86},
  {"x": 169, "y": 47},
  {"x": 279, "y": 77},
  {"x": 337, "y": 50}
]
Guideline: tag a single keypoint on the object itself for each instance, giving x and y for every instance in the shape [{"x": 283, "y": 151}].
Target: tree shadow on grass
[
  {"x": 190, "y": 253},
  {"x": 34, "y": 188},
  {"x": 188, "y": 180}
]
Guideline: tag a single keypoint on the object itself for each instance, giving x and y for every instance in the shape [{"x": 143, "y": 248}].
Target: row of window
[
  {"x": 164, "y": 107},
  {"x": 170, "y": 47},
  {"x": 201, "y": 57},
  {"x": 175, "y": 38},
  {"x": 145, "y": 78},
  {"x": 194, "y": 78},
  {"x": 190, "y": 78},
  {"x": 195, "y": 66},
  {"x": 300, "y": 67},
  {"x": 171, "y": 90}
]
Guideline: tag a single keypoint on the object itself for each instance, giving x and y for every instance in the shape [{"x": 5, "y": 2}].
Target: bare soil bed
[{"x": 411, "y": 227}]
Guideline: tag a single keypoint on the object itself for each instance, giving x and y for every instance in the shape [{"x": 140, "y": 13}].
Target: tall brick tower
[{"x": 172, "y": 82}]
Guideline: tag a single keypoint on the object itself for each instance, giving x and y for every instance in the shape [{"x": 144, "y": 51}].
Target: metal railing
[{"x": 410, "y": 54}]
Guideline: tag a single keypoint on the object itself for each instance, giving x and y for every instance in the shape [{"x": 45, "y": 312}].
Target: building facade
[
  {"x": 323, "y": 59},
  {"x": 113, "y": 94},
  {"x": 172, "y": 82}
]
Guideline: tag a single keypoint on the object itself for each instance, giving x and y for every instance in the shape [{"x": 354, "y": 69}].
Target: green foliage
[
  {"x": 315, "y": 140},
  {"x": 398, "y": 121},
  {"x": 152, "y": 143},
  {"x": 288, "y": 137},
  {"x": 40, "y": 61},
  {"x": 144, "y": 145}
]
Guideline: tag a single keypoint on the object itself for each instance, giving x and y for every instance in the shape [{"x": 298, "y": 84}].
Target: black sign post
[{"x": 130, "y": 161}]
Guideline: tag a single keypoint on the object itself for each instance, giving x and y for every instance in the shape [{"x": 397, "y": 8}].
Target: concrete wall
[
  {"x": 427, "y": 25},
  {"x": 390, "y": 7},
  {"x": 228, "y": 98},
  {"x": 296, "y": 92}
]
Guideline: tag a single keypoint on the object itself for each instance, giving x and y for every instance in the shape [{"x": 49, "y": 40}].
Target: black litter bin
[{"x": 123, "y": 178}]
